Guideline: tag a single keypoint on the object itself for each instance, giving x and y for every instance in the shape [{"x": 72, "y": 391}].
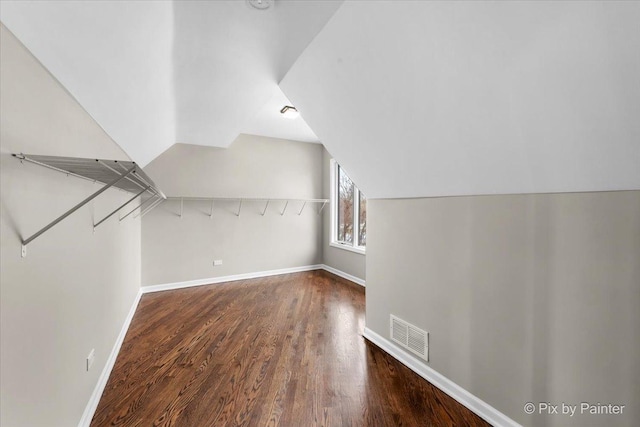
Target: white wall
[
  {"x": 352, "y": 263},
  {"x": 74, "y": 289},
  {"x": 526, "y": 298},
  {"x": 175, "y": 250}
]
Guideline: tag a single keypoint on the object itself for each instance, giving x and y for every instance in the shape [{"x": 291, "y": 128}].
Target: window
[{"x": 349, "y": 212}]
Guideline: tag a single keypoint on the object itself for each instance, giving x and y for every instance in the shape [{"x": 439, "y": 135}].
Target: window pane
[
  {"x": 345, "y": 207},
  {"x": 362, "y": 220}
]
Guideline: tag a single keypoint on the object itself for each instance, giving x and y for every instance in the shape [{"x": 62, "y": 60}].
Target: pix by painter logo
[
  {"x": 548, "y": 408},
  {"x": 584, "y": 408}
]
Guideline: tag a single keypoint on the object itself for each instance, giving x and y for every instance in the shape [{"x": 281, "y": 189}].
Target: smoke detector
[{"x": 260, "y": 4}]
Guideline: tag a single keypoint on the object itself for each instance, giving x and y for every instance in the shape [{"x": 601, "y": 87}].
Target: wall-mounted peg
[
  {"x": 302, "y": 208},
  {"x": 265, "y": 208}
]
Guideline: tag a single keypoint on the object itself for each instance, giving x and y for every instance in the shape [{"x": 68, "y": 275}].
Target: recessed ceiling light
[
  {"x": 289, "y": 112},
  {"x": 260, "y": 4}
]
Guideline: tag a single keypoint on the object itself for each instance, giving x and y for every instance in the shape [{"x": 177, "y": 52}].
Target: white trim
[
  {"x": 333, "y": 199},
  {"x": 333, "y": 213},
  {"x": 245, "y": 276},
  {"x": 473, "y": 403},
  {"x": 222, "y": 279},
  {"x": 356, "y": 216},
  {"x": 344, "y": 275},
  {"x": 346, "y": 247},
  {"x": 92, "y": 405}
]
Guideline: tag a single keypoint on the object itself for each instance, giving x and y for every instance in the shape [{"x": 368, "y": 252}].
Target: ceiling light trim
[
  {"x": 260, "y": 4},
  {"x": 289, "y": 112}
]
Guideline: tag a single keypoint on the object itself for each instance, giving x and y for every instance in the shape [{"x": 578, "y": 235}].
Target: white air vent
[{"x": 410, "y": 337}]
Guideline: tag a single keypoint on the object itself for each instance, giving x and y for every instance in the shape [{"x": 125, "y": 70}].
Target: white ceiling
[
  {"x": 414, "y": 99},
  {"x": 420, "y": 99},
  {"x": 113, "y": 57},
  {"x": 154, "y": 73},
  {"x": 230, "y": 60}
]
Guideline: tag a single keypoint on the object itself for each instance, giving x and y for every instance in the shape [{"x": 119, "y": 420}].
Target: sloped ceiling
[
  {"x": 413, "y": 98},
  {"x": 153, "y": 73},
  {"x": 455, "y": 98},
  {"x": 113, "y": 57},
  {"x": 229, "y": 60}
]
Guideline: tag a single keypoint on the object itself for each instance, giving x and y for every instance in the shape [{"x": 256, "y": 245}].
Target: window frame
[{"x": 334, "y": 242}]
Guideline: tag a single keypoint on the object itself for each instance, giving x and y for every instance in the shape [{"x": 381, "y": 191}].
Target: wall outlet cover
[
  {"x": 217, "y": 262},
  {"x": 90, "y": 358}
]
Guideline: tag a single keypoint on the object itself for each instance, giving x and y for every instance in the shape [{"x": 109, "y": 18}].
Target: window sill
[{"x": 358, "y": 250}]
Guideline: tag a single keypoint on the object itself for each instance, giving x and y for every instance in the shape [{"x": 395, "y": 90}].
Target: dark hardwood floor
[{"x": 284, "y": 350}]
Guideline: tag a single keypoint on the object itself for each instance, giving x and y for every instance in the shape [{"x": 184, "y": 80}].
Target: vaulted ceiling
[
  {"x": 456, "y": 98},
  {"x": 154, "y": 73},
  {"x": 414, "y": 99}
]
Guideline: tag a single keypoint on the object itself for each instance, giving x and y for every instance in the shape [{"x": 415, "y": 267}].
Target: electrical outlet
[
  {"x": 217, "y": 262},
  {"x": 90, "y": 358}
]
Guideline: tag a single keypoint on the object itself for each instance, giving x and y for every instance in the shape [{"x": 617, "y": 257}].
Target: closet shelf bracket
[
  {"x": 120, "y": 207},
  {"x": 302, "y": 208},
  {"x": 75, "y": 208},
  {"x": 242, "y": 201},
  {"x": 265, "y": 208},
  {"x": 285, "y": 208},
  {"x": 124, "y": 175},
  {"x": 139, "y": 206},
  {"x": 149, "y": 208}
]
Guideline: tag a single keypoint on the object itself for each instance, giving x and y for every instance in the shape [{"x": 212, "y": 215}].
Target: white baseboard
[
  {"x": 475, "y": 404},
  {"x": 222, "y": 279},
  {"x": 344, "y": 275},
  {"x": 92, "y": 405}
]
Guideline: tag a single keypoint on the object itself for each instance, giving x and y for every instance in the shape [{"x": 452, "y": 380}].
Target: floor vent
[{"x": 410, "y": 337}]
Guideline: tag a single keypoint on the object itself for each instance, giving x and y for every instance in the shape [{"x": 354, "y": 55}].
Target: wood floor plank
[{"x": 279, "y": 351}]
